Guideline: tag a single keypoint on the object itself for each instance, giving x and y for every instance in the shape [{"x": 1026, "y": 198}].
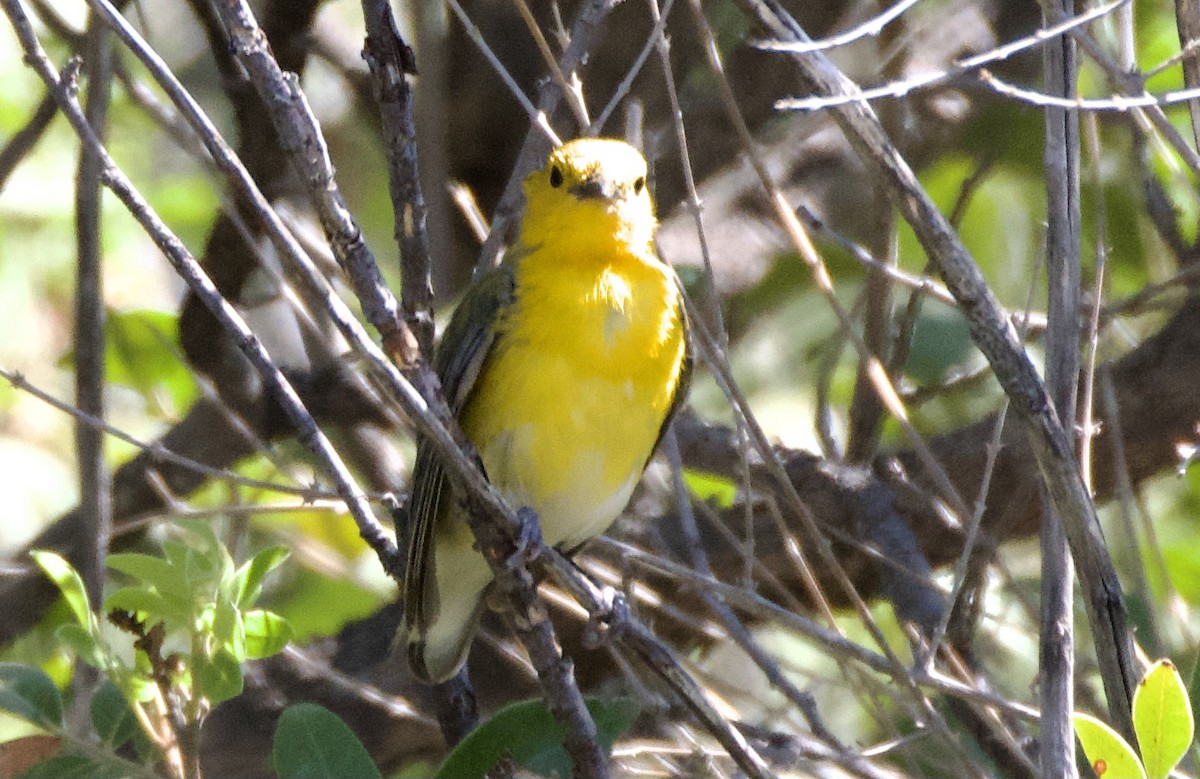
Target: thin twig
[
  {"x": 585, "y": 33},
  {"x": 1116, "y": 104},
  {"x": 661, "y": 660},
  {"x": 660, "y": 24},
  {"x": 300, "y": 136},
  {"x": 867, "y": 412},
  {"x": 198, "y": 281},
  {"x": 1186, "y": 49},
  {"x": 159, "y": 452},
  {"x": 1087, "y": 408},
  {"x": 970, "y": 566},
  {"x": 829, "y": 640},
  {"x": 392, "y": 63},
  {"x": 712, "y": 302},
  {"x": 695, "y": 549},
  {"x": 869, "y": 28},
  {"x": 1125, "y": 493},
  {"x": 573, "y": 88},
  {"x": 536, "y": 116},
  {"x": 897, "y": 89},
  {"x": 464, "y": 199},
  {"x": 1051, "y": 447},
  {"x": 95, "y": 481},
  {"x": 906, "y": 327},
  {"x": 23, "y": 140},
  {"x": 1135, "y": 95},
  {"x": 1056, "y": 645}
]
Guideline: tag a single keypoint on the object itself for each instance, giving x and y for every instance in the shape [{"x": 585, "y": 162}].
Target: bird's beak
[{"x": 595, "y": 189}]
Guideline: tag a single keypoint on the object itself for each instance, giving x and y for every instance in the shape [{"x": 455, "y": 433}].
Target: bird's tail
[
  {"x": 437, "y": 653},
  {"x": 438, "y": 634}
]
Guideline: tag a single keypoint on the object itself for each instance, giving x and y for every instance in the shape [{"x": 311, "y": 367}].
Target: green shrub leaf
[
  {"x": 249, "y": 578},
  {"x": 73, "y": 767},
  {"x": 718, "y": 490},
  {"x": 311, "y": 742},
  {"x": 1162, "y": 719},
  {"x": 153, "y": 572},
  {"x": 71, "y": 585},
  {"x": 228, "y": 629},
  {"x": 529, "y": 734},
  {"x": 219, "y": 677},
  {"x": 1109, "y": 754},
  {"x": 266, "y": 633},
  {"x": 82, "y": 643},
  {"x": 153, "y": 606},
  {"x": 140, "y": 354},
  {"x": 28, "y": 693},
  {"x": 114, "y": 721}
]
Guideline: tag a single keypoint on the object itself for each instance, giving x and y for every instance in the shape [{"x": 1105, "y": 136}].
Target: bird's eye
[
  {"x": 556, "y": 177},
  {"x": 638, "y": 184}
]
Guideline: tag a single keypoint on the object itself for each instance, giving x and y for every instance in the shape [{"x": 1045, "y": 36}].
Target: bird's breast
[{"x": 570, "y": 402}]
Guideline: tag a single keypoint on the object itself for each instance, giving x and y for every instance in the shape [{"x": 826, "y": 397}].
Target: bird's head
[{"x": 589, "y": 187}]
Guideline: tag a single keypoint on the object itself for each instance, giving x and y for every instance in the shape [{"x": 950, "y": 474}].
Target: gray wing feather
[{"x": 460, "y": 358}]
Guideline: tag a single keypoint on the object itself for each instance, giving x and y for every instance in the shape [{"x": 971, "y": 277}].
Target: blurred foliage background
[{"x": 978, "y": 153}]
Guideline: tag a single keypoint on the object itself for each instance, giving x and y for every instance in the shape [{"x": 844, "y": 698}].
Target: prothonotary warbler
[{"x": 563, "y": 366}]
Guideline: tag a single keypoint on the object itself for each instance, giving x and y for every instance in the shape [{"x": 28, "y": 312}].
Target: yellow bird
[{"x": 563, "y": 366}]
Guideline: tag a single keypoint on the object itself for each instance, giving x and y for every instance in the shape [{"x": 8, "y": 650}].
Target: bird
[{"x": 563, "y": 366}]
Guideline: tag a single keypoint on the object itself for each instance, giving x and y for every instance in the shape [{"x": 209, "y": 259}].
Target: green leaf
[
  {"x": 71, "y": 585},
  {"x": 1162, "y": 719},
  {"x": 249, "y": 578},
  {"x": 1109, "y": 754},
  {"x": 83, "y": 644},
  {"x": 140, "y": 353},
  {"x": 137, "y": 685},
  {"x": 28, "y": 693},
  {"x": 151, "y": 604},
  {"x": 227, "y": 628},
  {"x": 73, "y": 767},
  {"x": 114, "y": 721},
  {"x": 199, "y": 558},
  {"x": 266, "y": 633},
  {"x": 718, "y": 490},
  {"x": 219, "y": 677},
  {"x": 213, "y": 560},
  {"x": 189, "y": 563},
  {"x": 319, "y": 605},
  {"x": 940, "y": 343},
  {"x": 154, "y": 572},
  {"x": 311, "y": 742},
  {"x": 529, "y": 734}
]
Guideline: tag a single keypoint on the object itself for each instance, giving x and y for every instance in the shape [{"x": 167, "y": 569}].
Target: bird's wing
[
  {"x": 460, "y": 357},
  {"x": 685, "y": 371}
]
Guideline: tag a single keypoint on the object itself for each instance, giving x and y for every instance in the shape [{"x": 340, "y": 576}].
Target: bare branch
[
  {"x": 1052, "y": 447},
  {"x": 1056, "y": 654},
  {"x": 95, "y": 481},
  {"x": 199, "y": 282}
]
